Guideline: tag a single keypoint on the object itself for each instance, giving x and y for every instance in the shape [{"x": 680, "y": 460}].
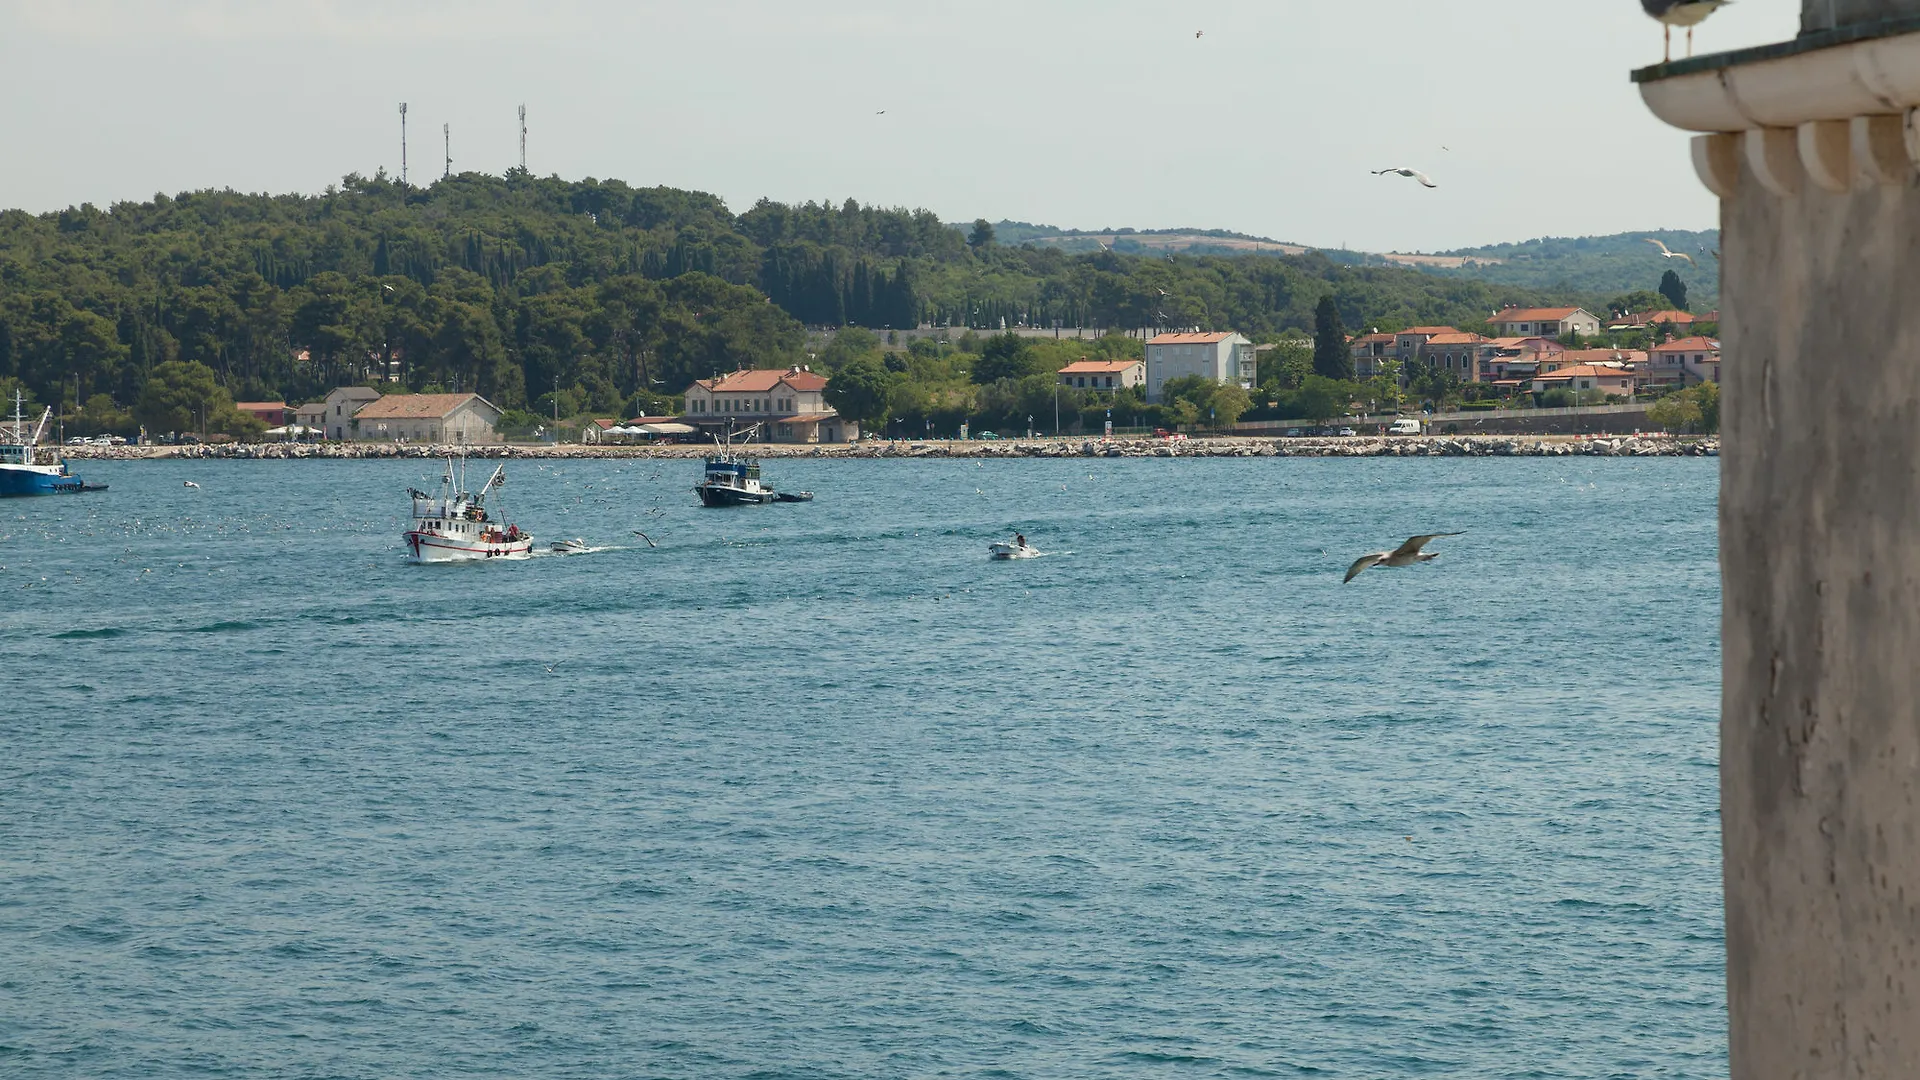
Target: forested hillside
[{"x": 596, "y": 293}]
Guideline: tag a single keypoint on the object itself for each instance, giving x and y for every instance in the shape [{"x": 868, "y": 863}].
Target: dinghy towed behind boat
[{"x": 455, "y": 526}]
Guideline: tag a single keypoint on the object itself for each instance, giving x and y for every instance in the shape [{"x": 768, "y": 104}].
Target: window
[{"x": 1109, "y": 382}]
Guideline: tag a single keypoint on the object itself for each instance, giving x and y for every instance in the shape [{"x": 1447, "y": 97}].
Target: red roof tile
[
  {"x": 417, "y": 406},
  {"x": 1100, "y": 367},
  {"x": 1189, "y": 339}
]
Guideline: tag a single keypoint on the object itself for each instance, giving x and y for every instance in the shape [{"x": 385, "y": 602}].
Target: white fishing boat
[
  {"x": 456, "y": 526},
  {"x": 1017, "y": 548}
]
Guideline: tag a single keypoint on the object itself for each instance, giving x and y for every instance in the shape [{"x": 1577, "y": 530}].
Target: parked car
[
  {"x": 1406, "y": 425},
  {"x": 986, "y": 435},
  {"x": 1347, "y": 433},
  {"x": 1293, "y": 433},
  {"x": 77, "y": 440}
]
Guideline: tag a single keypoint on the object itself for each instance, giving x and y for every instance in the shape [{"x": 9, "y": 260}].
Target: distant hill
[{"x": 1588, "y": 269}]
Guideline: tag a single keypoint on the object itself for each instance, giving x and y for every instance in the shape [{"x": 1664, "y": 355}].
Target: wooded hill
[{"x": 585, "y": 294}]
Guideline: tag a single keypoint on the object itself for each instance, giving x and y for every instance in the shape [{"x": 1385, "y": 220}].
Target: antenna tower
[
  {"x": 446, "y": 132},
  {"x": 523, "y": 138},
  {"x": 403, "y": 144}
]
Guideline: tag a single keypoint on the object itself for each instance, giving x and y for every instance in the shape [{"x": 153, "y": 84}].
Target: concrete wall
[
  {"x": 1820, "y": 558},
  {"x": 1817, "y": 15}
]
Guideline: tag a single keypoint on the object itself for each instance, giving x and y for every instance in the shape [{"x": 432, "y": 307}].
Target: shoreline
[{"x": 1353, "y": 446}]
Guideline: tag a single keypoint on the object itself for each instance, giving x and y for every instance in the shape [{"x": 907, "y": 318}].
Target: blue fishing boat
[{"x": 27, "y": 468}]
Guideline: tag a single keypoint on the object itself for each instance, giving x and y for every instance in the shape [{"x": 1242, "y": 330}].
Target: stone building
[{"x": 1811, "y": 146}]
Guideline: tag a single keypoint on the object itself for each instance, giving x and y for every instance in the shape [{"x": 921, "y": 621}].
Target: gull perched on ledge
[{"x": 1687, "y": 13}]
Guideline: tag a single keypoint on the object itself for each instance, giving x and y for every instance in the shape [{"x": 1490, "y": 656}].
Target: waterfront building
[
  {"x": 1370, "y": 353},
  {"x": 1687, "y": 362},
  {"x": 789, "y": 403},
  {"x": 1106, "y": 376},
  {"x": 456, "y": 419},
  {"x": 1224, "y": 358},
  {"x": 1463, "y": 355},
  {"x": 272, "y": 413},
  {"x": 341, "y": 407},
  {"x": 1581, "y": 378}
]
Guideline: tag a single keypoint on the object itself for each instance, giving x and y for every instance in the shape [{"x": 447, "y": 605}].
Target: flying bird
[
  {"x": 1687, "y": 13},
  {"x": 1425, "y": 180},
  {"x": 190, "y": 483},
  {"x": 1405, "y": 555},
  {"x": 1666, "y": 252},
  {"x": 645, "y": 537},
  {"x": 1197, "y": 34},
  {"x": 882, "y": 112}
]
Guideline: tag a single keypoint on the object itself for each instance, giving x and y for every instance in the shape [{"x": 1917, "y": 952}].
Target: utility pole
[
  {"x": 446, "y": 132},
  {"x": 403, "y": 144},
  {"x": 523, "y": 138}
]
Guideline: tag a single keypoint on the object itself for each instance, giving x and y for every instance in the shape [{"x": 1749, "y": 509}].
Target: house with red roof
[
  {"x": 1370, "y": 352},
  {"x": 1464, "y": 355},
  {"x": 1687, "y": 362},
  {"x": 1545, "y": 322},
  {"x": 1582, "y": 378},
  {"x": 1106, "y": 376},
  {"x": 1224, "y": 358},
  {"x": 789, "y": 404},
  {"x": 1407, "y": 343}
]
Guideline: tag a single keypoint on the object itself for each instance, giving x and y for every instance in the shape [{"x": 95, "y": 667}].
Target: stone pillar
[{"x": 1811, "y": 147}]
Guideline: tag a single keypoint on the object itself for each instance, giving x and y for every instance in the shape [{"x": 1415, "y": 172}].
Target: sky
[{"x": 1076, "y": 113}]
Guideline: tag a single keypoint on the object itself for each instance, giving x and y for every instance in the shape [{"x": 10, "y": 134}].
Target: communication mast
[
  {"x": 523, "y": 138},
  {"x": 403, "y": 144},
  {"x": 446, "y": 132}
]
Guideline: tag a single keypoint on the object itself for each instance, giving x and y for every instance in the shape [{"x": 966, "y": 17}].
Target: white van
[{"x": 1406, "y": 425}]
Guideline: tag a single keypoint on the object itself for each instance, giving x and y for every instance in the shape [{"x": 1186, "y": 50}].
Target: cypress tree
[{"x": 1331, "y": 355}]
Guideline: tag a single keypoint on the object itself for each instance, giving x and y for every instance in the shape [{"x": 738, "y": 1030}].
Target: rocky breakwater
[{"x": 1396, "y": 446}]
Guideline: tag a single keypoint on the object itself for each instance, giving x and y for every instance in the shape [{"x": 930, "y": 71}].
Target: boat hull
[
  {"x": 18, "y": 482},
  {"x": 719, "y": 495},
  {"x": 1011, "y": 551},
  {"x": 432, "y": 548}
]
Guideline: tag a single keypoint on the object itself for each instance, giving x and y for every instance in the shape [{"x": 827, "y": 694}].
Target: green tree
[
  {"x": 1286, "y": 364},
  {"x": 181, "y": 395},
  {"x": 1695, "y": 409},
  {"x": 1332, "y": 356},
  {"x": 1228, "y": 404},
  {"x": 1004, "y": 356},
  {"x": 1674, "y": 290},
  {"x": 1320, "y": 398},
  {"x": 860, "y": 390},
  {"x": 982, "y": 235}
]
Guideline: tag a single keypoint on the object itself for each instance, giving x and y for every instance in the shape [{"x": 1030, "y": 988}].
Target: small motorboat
[
  {"x": 575, "y": 546},
  {"x": 793, "y": 496},
  {"x": 1017, "y": 548}
]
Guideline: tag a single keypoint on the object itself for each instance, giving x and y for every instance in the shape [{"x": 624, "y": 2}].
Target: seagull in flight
[
  {"x": 1425, "y": 180},
  {"x": 1668, "y": 252},
  {"x": 1687, "y": 13},
  {"x": 1405, "y": 555},
  {"x": 1198, "y": 34}
]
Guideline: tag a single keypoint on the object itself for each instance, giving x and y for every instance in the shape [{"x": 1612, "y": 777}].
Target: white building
[
  {"x": 457, "y": 419},
  {"x": 1545, "y": 322},
  {"x": 341, "y": 405},
  {"x": 791, "y": 403},
  {"x": 1224, "y": 358}
]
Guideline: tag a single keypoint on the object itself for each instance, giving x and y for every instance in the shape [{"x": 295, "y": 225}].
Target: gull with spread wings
[
  {"x": 1405, "y": 555},
  {"x": 1667, "y": 252},
  {"x": 1425, "y": 180}
]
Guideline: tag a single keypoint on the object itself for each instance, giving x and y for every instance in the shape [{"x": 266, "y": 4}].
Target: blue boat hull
[{"x": 16, "y": 482}]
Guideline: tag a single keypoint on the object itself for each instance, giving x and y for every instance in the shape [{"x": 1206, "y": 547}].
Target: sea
[{"x": 817, "y": 790}]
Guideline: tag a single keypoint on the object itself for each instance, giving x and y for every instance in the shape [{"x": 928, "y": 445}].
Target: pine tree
[{"x": 1332, "y": 357}]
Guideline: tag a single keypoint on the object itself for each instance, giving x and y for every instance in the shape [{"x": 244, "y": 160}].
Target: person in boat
[{"x": 1020, "y": 540}]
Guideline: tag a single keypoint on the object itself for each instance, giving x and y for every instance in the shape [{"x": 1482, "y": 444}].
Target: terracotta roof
[
  {"x": 1669, "y": 315},
  {"x": 1371, "y": 337},
  {"x": 259, "y": 406},
  {"x": 417, "y": 406},
  {"x": 355, "y": 393},
  {"x": 1455, "y": 338},
  {"x": 1543, "y": 314},
  {"x": 1689, "y": 344},
  {"x": 1099, "y": 367},
  {"x": 1590, "y": 372},
  {"x": 1601, "y": 356},
  {"x": 1189, "y": 339},
  {"x": 761, "y": 380},
  {"x": 1430, "y": 331}
]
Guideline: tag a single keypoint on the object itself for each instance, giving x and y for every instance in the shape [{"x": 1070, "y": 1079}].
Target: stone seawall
[{"x": 1399, "y": 446}]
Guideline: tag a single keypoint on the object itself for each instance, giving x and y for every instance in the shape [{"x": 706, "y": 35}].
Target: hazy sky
[{"x": 1079, "y": 113}]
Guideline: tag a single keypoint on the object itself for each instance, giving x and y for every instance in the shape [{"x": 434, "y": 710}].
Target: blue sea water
[{"x": 818, "y": 791}]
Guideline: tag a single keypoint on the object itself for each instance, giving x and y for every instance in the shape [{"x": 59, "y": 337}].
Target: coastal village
[{"x": 1537, "y": 351}]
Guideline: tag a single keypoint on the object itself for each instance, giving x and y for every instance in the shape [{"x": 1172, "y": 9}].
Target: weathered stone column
[{"x": 1811, "y": 145}]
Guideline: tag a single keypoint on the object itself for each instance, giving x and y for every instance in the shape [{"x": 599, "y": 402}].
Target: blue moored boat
[{"x": 27, "y": 468}]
